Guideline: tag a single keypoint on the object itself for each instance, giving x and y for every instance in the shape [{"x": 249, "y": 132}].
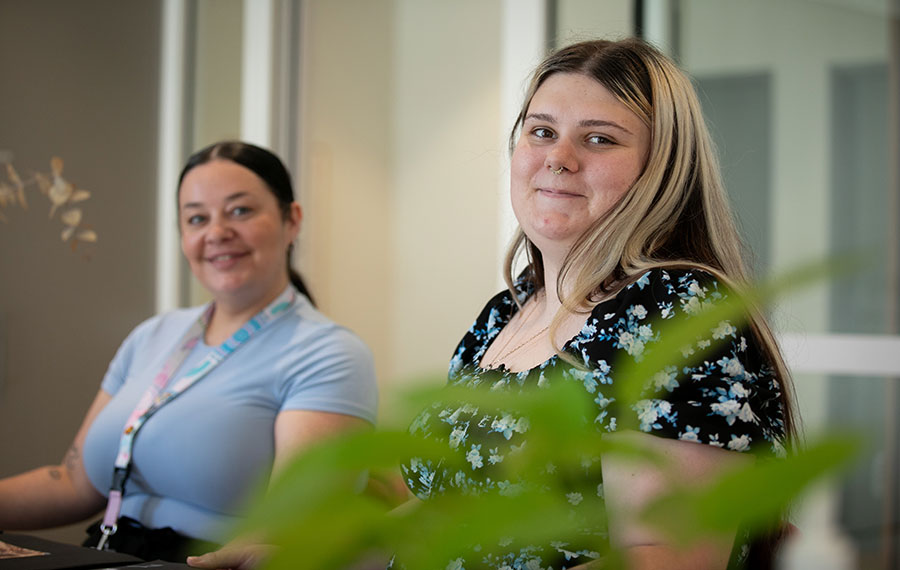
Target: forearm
[
  {"x": 662, "y": 557},
  {"x": 46, "y": 497}
]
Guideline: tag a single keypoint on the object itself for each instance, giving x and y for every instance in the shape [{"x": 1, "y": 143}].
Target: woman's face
[
  {"x": 233, "y": 233},
  {"x": 573, "y": 123}
]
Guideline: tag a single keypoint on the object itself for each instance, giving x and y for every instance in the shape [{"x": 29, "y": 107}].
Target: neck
[
  {"x": 552, "y": 269},
  {"x": 231, "y": 314}
]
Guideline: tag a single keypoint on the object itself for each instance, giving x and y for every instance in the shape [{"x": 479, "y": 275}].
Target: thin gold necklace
[{"x": 501, "y": 355}]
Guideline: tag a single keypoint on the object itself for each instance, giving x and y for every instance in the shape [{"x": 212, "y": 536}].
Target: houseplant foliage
[{"x": 330, "y": 508}]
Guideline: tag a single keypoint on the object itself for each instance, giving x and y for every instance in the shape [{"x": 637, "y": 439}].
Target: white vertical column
[
  {"x": 256, "y": 80},
  {"x": 169, "y": 153},
  {"x": 524, "y": 38},
  {"x": 658, "y": 24}
]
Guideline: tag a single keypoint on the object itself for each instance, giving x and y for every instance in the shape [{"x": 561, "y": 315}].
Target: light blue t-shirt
[{"x": 197, "y": 460}]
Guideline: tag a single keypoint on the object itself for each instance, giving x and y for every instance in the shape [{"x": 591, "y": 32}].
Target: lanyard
[{"x": 160, "y": 393}]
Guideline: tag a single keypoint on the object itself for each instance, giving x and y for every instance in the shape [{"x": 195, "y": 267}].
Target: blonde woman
[{"x": 624, "y": 222}]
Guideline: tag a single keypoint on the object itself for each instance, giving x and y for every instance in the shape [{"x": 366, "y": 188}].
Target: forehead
[
  {"x": 575, "y": 92},
  {"x": 217, "y": 180}
]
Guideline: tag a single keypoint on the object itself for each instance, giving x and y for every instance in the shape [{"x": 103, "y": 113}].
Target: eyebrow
[
  {"x": 228, "y": 198},
  {"x": 584, "y": 123}
]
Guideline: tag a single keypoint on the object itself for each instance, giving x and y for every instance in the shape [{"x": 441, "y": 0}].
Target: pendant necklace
[{"x": 501, "y": 355}]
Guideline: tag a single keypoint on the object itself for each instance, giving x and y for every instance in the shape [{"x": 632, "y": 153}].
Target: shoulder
[
  {"x": 324, "y": 366},
  {"x": 168, "y": 326},
  {"x": 498, "y": 309},
  {"x": 717, "y": 387},
  {"x": 490, "y": 321},
  {"x": 660, "y": 294},
  {"x": 147, "y": 343},
  {"x": 502, "y": 305},
  {"x": 307, "y": 335},
  {"x": 310, "y": 325},
  {"x": 687, "y": 285}
]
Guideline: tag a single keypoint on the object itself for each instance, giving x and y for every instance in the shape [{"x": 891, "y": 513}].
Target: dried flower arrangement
[{"x": 62, "y": 194}]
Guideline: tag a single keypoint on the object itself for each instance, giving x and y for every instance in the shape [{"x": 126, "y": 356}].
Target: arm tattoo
[
  {"x": 72, "y": 458},
  {"x": 70, "y": 463}
]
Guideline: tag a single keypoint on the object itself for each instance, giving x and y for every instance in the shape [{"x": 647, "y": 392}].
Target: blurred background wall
[
  {"x": 80, "y": 81},
  {"x": 393, "y": 117}
]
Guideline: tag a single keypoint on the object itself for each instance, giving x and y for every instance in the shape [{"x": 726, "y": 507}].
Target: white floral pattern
[{"x": 729, "y": 400}]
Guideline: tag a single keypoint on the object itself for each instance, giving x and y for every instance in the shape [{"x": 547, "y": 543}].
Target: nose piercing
[{"x": 558, "y": 171}]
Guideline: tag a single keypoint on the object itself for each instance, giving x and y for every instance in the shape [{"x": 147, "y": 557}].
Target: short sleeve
[
  {"x": 333, "y": 373},
  {"x": 729, "y": 397}
]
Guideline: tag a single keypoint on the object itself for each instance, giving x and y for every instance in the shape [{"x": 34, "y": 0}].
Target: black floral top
[{"x": 730, "y": 399}]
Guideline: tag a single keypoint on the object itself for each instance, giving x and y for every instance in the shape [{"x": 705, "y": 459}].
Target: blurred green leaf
[{"x": 752, "y": 497}]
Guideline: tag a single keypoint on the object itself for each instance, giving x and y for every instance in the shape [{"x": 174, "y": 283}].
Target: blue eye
[{"x": 195, "y": 220}]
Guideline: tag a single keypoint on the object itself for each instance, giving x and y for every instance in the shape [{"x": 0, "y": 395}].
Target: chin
[
  {"x": 552, "y": 236},
  {"x": 227, "y": 288}
]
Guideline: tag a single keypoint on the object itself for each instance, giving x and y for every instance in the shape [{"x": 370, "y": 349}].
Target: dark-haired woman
[{"x": 200, "y": 405}]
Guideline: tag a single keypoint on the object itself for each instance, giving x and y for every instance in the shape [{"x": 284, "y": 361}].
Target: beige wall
[
  {"x": 588, "y": 19},
  {"x": 399, "y": 170},
  {"x": 215, "y": 109},
  {"x": 446, "y": 163},
  {"x": 344, "y": 167}
]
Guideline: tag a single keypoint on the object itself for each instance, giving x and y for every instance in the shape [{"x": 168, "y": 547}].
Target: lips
[
  {"x": 559, "y": 193},
  {"x": 226, "y": 259}
]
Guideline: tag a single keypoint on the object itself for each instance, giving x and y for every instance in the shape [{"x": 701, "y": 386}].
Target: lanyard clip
[
  {"x": 109, "y": 525},
  {"x": 120, "y": 475},
  {"x": 107, "y": 531}
]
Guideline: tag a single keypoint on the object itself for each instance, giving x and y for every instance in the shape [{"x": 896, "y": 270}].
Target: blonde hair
[{"x": 676, "y": 214}]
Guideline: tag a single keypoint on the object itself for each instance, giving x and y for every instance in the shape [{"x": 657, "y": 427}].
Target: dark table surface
[{"x": 25, "y": 552}]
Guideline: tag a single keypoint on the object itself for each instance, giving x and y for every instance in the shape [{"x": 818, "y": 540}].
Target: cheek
[
  {"x": 524, "y": 162},
  {"x": 269, "y": 238},
  {"x": 189, "y": 245},
  {"x": 523, "y": 166},
  {"x": 614, "y": 182}
]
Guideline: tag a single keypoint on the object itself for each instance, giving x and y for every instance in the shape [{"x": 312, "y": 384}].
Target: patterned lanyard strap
[{"x": 160, "y": 393}]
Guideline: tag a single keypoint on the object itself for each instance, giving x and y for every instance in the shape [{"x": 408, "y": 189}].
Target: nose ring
[{"x": 558, "y": 171}]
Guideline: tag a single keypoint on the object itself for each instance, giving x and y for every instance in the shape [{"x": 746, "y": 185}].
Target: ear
[{"x": 295, "y": 216}]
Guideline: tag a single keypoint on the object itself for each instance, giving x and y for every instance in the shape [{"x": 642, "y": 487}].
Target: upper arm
[
  {"x": 74, "y": 459},
  {"x": 298, "y": 429},
  {"x": 631, "y": 484}
]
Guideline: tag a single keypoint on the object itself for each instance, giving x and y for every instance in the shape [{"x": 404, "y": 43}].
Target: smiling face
[
  {"x": 577, "y": 128},
  {"x": 233, "y": 233}
]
